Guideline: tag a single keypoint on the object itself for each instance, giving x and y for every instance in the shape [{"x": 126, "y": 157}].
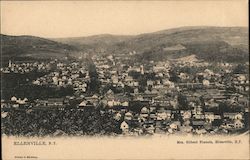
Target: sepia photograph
[{"x": 125, "y": 80}]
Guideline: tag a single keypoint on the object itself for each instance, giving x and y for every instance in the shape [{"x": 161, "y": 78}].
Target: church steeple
[
  {"x": 10, "y": 64},
  {"x": 142, "y": 69}
]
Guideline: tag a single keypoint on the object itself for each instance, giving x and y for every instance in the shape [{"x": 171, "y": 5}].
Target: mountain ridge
[
  {"x": 206, "y": 42},
  {"x": 32, "y": 47}
]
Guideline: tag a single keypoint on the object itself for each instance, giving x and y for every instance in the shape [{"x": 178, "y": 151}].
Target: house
[
  {"x": 110, "y": 99},
  {"x": 208, "y": 126},
  {"x": 150, "y": 83},
  {"x": 19, "y": 100},
  {"x": 144, "y": 110},
  {"x": 86, "y": 105},
  {"x": 160, "y": 127},
  {"x": 175, "y": 125},
  {"x": 149, "y": 96},
  {"x": 161, "y": 115},
  {"x": 128, "y": 116},
  {"x": 159, "y": 68},
  {"x": 169, "y": 114},
  {"x": 4, "y": 114},
  {"x": 197, "y": 110},
  {"x": 115, "y": 79},
  {"x": 93, "y": 99},
  {"x": 120, "y": 84},
  {"x": 138, "y": 97},
  {"x": 238, "y": 124},
  {"x": 217, "y": 117},
  {"x": 144, "y": 113},
  {"x": 233, "y": 116},
  {"x": 118, "y": 101},
  {"x": 205, "y": 82},
  {"x": 136, "y": 121},
  {"x": 129, "y": 79},
  {"x": 83, "y": 103},
  {"x": 230, "y": 124},
  {"x": 241, "y": 78},
  {"x": 124, "y": 127},
  {"x": 160, "y": 130},
  {"x": 117, "y": 116},
  {"x": 211, "y": 103},
  {"x": 15, "y": 104},
  {"x": 232, "y": 102},
  {"x": 55, "y": 101},
  {"x": 174, "y": 103},
  {"x": 200, "y": 131},
  {"x": 50, "y": 103},
  {"x": 183, "y": 76},
  {"x": 13, "y": 98},
  {"x": 152, "y": 116},
  {"x": 109, "y": 94},
  {"x": 152, "y": 109},
  {"x": 150, "y": 129},
  {"x": 41, "y": 102},
  {"x": 209, "y": 116},
  {"x": 187, "y": 129},
  {"x": 244, "y": 101},
  {"x": 198, "y": 124},
  {"x": 186, "y": 123},
  {"x": 186, "y": 115},
  {"x": 168, "y": 84},
  {"x": 135, "y": 69}
]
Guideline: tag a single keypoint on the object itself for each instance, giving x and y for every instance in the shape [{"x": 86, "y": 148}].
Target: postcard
[{"x": 95, "y": 80}]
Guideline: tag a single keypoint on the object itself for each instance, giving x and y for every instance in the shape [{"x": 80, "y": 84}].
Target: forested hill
[
  {"x": 30, "y": 47},
  {"x": 209, "y": 43}
]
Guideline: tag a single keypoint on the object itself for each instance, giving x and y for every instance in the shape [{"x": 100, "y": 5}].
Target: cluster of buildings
[
  {"x": 157, "y": 97},
  {"x": 66, "y": 74},
  {"x": 25, "y": 67},
  {"x": 160, "y": 89},
  {"x": 153, "y": 120}
]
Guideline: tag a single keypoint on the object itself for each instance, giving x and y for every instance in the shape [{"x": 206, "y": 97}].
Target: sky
[{"x": 55, "y": 19}]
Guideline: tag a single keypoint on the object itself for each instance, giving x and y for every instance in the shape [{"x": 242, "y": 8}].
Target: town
[{"x": 111, "y": 94}]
